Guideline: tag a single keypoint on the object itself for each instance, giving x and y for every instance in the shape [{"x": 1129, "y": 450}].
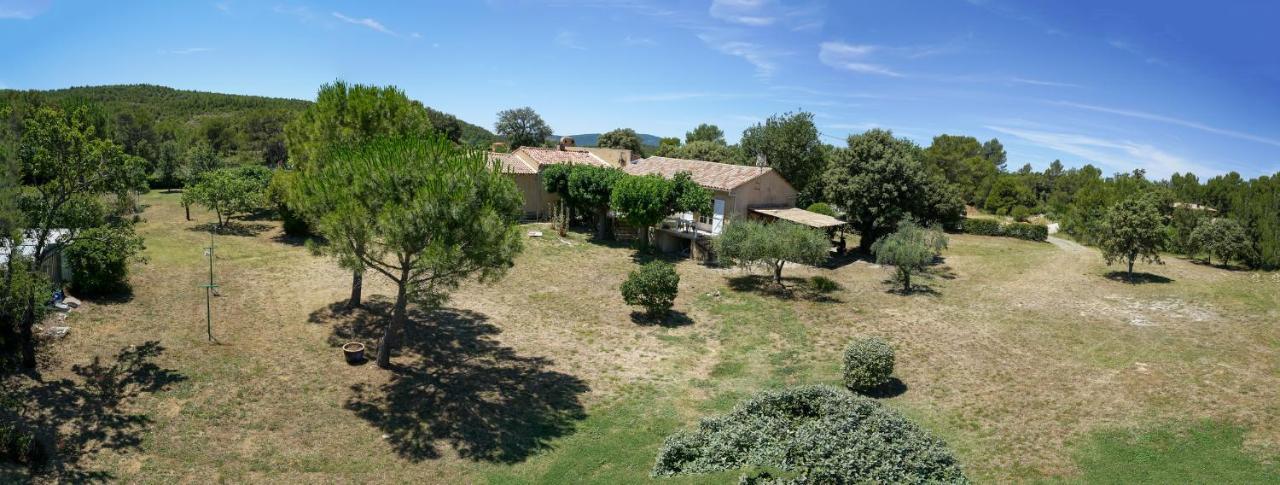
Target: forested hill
[{"x": 157, "y": 122}]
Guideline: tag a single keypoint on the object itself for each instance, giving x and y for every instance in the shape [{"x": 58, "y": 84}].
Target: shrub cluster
[
  {"x": 868, "y": 363},
  {"x": 653, "y": 286},
  {"x": 818, "y": 434},
  {"x": 992, "y": 227},
  {"x": 100, "y": 257}
]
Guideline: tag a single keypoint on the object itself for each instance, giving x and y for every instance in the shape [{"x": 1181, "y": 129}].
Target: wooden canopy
[{"x": 801, "y": 216}]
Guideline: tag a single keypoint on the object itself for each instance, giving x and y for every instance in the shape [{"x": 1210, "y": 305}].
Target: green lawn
[{"x": 1022, "y": 355}]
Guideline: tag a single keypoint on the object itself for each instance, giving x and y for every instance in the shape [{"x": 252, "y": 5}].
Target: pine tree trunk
[
  {"x": 391, "y": 336},
  {"x": 357, "y": 286}
]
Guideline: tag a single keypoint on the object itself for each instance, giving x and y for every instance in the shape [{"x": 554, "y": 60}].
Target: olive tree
[
  {"x": 623, "y": 138},
  {"x": 230, "y": 191},
  {"x": 909, "y": 250},
  {"x": 432, "y": 214},
  {"x": 751, "y": 244},
  {"x": 1132, "y": 230}
]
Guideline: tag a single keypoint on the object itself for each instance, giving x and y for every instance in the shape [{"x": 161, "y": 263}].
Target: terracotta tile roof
[
  {"x": 510, "y": 163},
  {"x": 719, "y": 176},
  {"x": 538, "y": 157}
]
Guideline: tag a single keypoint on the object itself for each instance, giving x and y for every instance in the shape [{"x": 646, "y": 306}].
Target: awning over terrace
[{"x": 801, "y": 216}]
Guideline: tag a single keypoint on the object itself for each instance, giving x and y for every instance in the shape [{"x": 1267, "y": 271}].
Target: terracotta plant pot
[{"x": 354, "y": 352}]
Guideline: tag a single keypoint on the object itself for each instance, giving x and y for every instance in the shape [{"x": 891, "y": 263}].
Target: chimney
[
  {"x": 565, "y": 141},
  {"x": 761, "y": 160}
]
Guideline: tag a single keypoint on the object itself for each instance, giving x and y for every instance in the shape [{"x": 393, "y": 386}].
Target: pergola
[{"x": 811, "y": 219}]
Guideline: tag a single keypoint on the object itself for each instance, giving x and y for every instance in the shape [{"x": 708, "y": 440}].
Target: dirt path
[{"x": 1067, "y": 244}]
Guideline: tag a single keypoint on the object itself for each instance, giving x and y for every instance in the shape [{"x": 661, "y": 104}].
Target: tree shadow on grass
[
  {"x": 232, "y": 228},
  {"x": 891, "y": 388},
  {"x": 671, "y": 319},
  {"x": 74, "y": 418},
  {"x": 895, "y": 288},
  {"x": 115, "y": 296},
  {"x": 454, "y": 384},
  {"x": 1137, "y": 278},
  {"x": 817, "y": 288}
]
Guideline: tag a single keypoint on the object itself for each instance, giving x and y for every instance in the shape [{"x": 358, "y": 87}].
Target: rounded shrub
[
  {"x": 99, "y": 260},
  {"x": 868, "y": 363},
  {"x": 653, "y": 286},
  {"x": 813, "y": 434}
]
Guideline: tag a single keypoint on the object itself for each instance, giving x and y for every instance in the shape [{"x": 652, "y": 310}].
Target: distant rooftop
[{"x": 719, "y": 176}]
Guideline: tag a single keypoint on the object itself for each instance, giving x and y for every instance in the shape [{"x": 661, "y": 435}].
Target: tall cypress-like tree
[{"x": 430, "y": 213}]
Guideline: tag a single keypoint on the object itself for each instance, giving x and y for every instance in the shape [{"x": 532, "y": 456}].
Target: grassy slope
[{"x": 1018, "y": 358}]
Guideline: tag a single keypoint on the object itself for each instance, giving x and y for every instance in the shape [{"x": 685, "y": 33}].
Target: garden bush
[
  {"x": 1022, "y": 230},
  {"x": 822, "y": 208},
  {"x": 816, "y": 434},
  {"x": 99, "y": 259},
  {"x": 868, "y": 363},
  {"x": 981, "y": 227},
  {"x": 653, "y": 286},
  {"x": 20, "y": 446}
]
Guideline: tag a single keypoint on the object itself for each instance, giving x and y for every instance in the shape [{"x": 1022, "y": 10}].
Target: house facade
[
  {"x": 525, "y": 165},
  {"x": 735, "y": 189}
]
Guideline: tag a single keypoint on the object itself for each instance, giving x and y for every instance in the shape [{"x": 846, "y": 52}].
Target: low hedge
[
  {"x": 992, "y": 227},
  {"x": 815, "y": 434}
]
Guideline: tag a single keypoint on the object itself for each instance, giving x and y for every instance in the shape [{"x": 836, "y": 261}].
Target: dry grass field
[{"x": 1026, "y": 357}]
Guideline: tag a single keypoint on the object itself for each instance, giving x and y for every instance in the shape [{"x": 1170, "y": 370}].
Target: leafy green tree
[
  {"x": 67, "y": 167},
  {"x": 751, "y": 244},
  {"x": 1007, "y": 193},
  {"x": 434, "y": 214},
  {"x": 100, "y": 258},
  {"x": 591, "y": 188},
  {"x": 910, "y": 250},
  {"x": 821, "y": 208},
  {"x": 879, "y": 182},
  {"x": 522, "y": 127},
  {"x": 994, "y": 153},
  {"x": 351, "y": 114},
  {"x": 654, "y": 286},
  {"x": 1221, "y": 237},
  {"x": 622, "y": 138},
  {"x": 642, "y": 201},
  {"x": 168, "y": 165},
  {"x": 705, "y": 132},
  {"x": 345, "y": 114},
  {"x": 667, "y": 146},
  {"x": 1182, "y": 224},
  {"x": 688, "y": 196},
  {"x": 790, "y": 145},
  {"x": 706, "y": 150},
  {"x": 947, "y": 155},
  {"x": 1132, "y": 230},
  {"x": 230, "y": 191}
]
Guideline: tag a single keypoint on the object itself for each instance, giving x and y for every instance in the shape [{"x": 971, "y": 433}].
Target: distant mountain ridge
[
  {"x": 591, "y": 139},
  {"x": 186, "y": 106}
]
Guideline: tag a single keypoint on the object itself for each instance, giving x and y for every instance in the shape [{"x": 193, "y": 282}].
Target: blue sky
[{"x": 1166, "y": 86}]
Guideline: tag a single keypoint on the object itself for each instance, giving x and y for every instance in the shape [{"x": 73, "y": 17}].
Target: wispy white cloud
[
  {"x": 763, "y": 58},
  {"x": 852, "y": 57},
  {"x": 1038, "y": 82},
  {"x": 1173, "y": 121},
  {"x": 366, "y": 22},
  {"x": 745, "y": 12},
  {"x": 569, "y": 40},
  {"x": 1115, "y": 155},
  {"x": 186, "y": 51},
  {"x": 1134, "y": 49},
  {"x": 639, "y": 41},
  {"x": 23, "y": 9}
]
